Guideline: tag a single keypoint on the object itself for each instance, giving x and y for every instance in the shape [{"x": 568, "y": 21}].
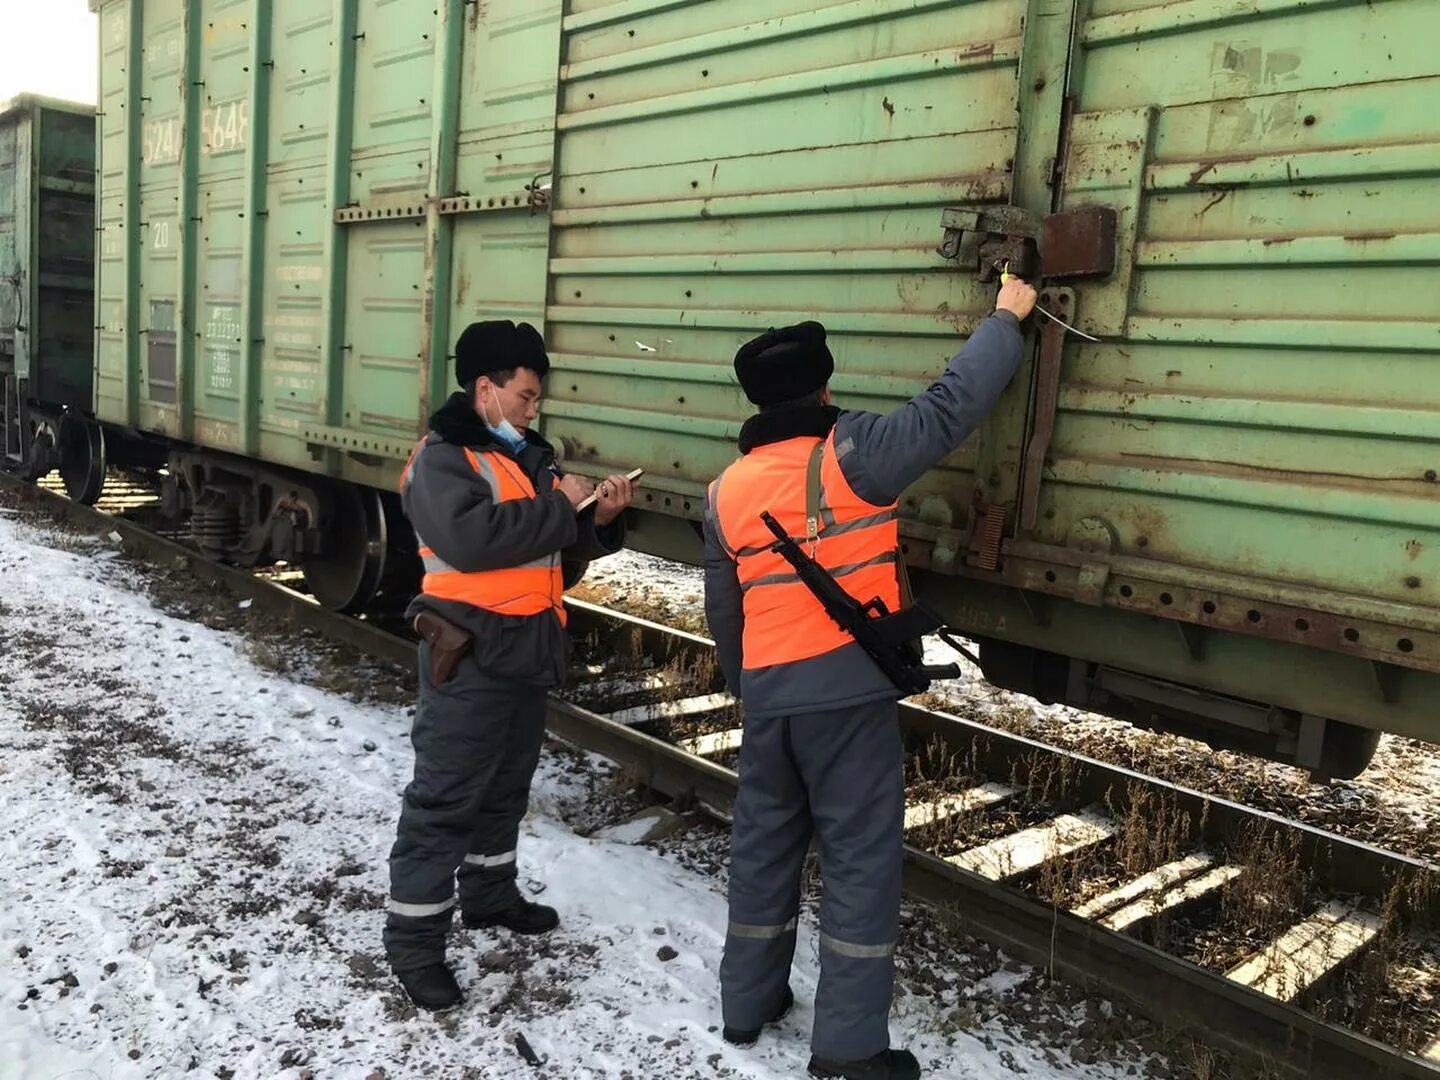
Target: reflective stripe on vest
[
  {"x": 858, "y": 543},
  {"x": 529, "y": 589}
]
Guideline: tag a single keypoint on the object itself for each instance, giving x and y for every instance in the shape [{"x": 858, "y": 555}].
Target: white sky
[{"x": 48, "y": 47}]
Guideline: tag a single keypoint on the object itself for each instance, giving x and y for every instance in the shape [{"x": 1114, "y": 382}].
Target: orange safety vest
[
  {"x": 800, "y": 482},
  {"x": 531, "y": 589}
]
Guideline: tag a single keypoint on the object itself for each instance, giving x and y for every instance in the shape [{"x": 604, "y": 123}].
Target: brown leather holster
[{"x": 448, "y": 645}]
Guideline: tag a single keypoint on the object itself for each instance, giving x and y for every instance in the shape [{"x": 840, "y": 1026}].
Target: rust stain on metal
[
  {"x": 1269, "y": 242},
  {"x": 477, "y": 13},
  {"x": 1098, "y": 159},
  {"x": 1056, "y": 571},
  {"x": 963, "y": 323},
  {"x": 988, "y": 536},
  {"x": 1201, "y": 171},
  {"x": 888, "y": 106},
  {"x": 1413, "y": 549},
  {"x": 1080, "y": 243},
  {"x": 1219, "y": 198},
  {"x": 984, "y": 48},
  {"x": 1364, "y": 238},
  {"x": 1150, "y": 526},
  {"x": 1251, "y": 471}
]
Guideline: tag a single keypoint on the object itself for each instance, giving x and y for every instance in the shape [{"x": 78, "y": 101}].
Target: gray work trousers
[
  {"x": 838, "y": 774},
  {"x": 477, "y": 741}
]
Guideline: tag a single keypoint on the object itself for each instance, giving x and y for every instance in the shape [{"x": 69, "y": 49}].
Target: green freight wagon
[
  {"x": 1223, "y": 517},
  {"x": 47, "y": 274}
]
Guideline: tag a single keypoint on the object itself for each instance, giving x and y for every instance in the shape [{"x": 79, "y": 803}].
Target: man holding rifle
[{"x": 822, "y": 750}]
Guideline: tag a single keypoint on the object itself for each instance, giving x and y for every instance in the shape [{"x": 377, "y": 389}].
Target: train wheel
[
  {"x": 401, "y": 579},
  {"x": 82, "y": 458},
  {"x": 346, "y": 577},
  {"x": 1346, "y": 752}
]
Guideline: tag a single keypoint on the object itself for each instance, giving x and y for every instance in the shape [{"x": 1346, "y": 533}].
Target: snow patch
[{"x": 195, "y": 869}]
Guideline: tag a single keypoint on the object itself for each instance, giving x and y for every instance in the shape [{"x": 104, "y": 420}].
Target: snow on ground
[{"x": 193, "y": 852}]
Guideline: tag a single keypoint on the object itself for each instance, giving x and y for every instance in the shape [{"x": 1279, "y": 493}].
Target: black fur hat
[
  {"x": 785, "y": 364},
  {"x": 487, "y": 347}
]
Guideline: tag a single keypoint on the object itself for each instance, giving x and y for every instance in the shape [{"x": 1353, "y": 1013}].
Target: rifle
[{"x": 892, "y": 639}]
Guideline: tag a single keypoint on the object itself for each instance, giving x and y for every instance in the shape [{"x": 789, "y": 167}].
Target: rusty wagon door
[
  {"x": 727, "y": 167},
  {"x": 1251, "y": 452}
]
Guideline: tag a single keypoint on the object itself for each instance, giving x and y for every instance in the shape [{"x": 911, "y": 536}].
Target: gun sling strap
[{"x": 812, "y": 497}]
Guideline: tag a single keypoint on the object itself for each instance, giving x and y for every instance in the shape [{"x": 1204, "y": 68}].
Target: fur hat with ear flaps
[
  {"x": 785, "y": 364},
  {"x": 487, "y": 347}
]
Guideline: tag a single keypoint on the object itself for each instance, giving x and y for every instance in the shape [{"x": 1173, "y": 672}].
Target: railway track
[{"x": 1263, "y": 936}]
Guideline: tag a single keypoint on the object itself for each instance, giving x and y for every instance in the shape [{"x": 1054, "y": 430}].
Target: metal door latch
[
  {"x": 1070, "y": 245},
  {"x": 988, "y": 237}
]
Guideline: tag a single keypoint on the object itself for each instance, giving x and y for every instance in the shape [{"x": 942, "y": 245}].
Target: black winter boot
[
  {"x": 432, "y": 987},
  {"x": 886, "y": 1065},
  {"x": 750, "y": 1036},
  {"x": 522, "y": 917}
]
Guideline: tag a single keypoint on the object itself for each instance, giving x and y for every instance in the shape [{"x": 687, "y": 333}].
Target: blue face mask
[{"x": 506, "y": 432}]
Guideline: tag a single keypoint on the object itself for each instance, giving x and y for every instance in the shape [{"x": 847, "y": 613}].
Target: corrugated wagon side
[{"x": 1220, "y": 517}]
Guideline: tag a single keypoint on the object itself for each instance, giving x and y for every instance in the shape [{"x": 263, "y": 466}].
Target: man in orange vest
[
  {"x": 500, "y": 537},
  {"x": 821, "y": 751}
]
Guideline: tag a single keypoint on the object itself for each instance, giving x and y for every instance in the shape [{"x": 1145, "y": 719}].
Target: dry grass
[
  {"x": 1151, "y": 830},
  {"x": 1275, "y": 883},
  {"x": 1391, "y": 992},
  {"x": 1154, "y": 829},
  {"x": 266, "y": 654},
  {"x": 1273, "y": 891},
  {"x": 1193, "y": 1059},
  {"x": 935, "y": 770},
  {"x": 1060, "y": 879},
  {"x": 1046, "y": 778}
]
